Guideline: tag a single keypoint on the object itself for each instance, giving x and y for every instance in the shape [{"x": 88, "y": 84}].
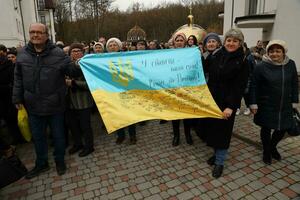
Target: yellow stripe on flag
[{"x": 167, "y": 104}]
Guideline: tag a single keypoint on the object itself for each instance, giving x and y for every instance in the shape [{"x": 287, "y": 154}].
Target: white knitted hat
[
  {"x": 278, "y": 42},
  {"x": 116, "y": 40}
]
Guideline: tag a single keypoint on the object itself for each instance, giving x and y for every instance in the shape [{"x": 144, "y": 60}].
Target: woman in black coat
[
  {"x": 228, "y": 75},
  {"x": 180, "y": 41},
  {"x": 273, "y": 94}
]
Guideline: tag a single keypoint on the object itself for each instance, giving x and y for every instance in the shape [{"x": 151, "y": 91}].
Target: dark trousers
[
  {"x": 270, "y": 141},
  {"x": 38, "y": 125},
  {"x": 9, "y": 114},
  {"x": 187, "y": 124},
  {"x": 79, "y": 122},
  {"x": 131, "y": 130},
  {"x": 246, "y": 97}
]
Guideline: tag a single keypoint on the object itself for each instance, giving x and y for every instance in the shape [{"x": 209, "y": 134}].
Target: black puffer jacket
[
  {"x": 273, "y": 89},
  {"x": 40, "y": 79},
  {"x": 6, "y": 83}
]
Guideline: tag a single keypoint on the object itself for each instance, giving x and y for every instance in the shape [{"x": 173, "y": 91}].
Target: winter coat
[
  {"x": 39, "y": 80},
  {"x": 6, "y": 83},
  {"x": 228, "y": 75},
  {"x": 273, "y": 89},
  {"x": 79, "y": 96}
]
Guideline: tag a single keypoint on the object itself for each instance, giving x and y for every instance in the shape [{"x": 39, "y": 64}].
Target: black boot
[
  {"x": 61, "y": 168},
  {"x": 211, "y": 160},
  {"x": 187, "y": 123},
  {"x": 217, "y": 171},
  {"x": 276, "y": 138},
  {"x": 188, "y": 138},
  {"x": 267, "y": 158},
  {"x": 132, "y": 139},
  {"x": 120, "y": 140},
  {"x": 37, "y": 170},
  {"x": 75, "y": 149},
  {"x": 176, "y": 138},
  {"x": 86, "y": 151},
  {"x": 275, "y": 154},
  {"x": 265, "y": 135}
]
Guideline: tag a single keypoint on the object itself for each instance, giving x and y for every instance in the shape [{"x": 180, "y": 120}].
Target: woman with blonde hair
[{"x": 228, "y": 73}]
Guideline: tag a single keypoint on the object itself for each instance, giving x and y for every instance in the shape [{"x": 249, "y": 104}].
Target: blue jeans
[
  {"x": 221, "y": 155},
  {"x": 38, "y": 125}
]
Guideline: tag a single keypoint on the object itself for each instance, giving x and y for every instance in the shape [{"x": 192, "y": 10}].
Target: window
[
  {"x": 43, "y": 19},
  {"x": 41, "y": 4},
  {"x": 252, "y": 7}
]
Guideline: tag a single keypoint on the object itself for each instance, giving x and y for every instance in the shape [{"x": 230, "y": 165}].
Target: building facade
[
  {"x": 17, "y": 15},
  {"x": 266, "y": 20}
]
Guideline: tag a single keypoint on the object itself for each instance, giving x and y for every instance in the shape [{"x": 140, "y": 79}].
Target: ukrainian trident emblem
[{"x": 122, "y": 73}]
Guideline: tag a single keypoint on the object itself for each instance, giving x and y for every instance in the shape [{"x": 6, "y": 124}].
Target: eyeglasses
[
  {"x": 36, "y": 32},
  {"x": 76, "y": 51}
]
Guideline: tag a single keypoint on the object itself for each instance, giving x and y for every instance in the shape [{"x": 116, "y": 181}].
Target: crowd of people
[{"x": 46, "y": 79}]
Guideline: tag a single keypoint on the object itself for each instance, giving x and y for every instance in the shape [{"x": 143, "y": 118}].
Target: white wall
[
  {"x": 251, "y": 35},
  {"x": 270, "y": 6},
  {"x": 10, "y": 23},
  {"x": 29, "y": 15},
  {"x": 287, "y": 27},
  {"x": 11, "y": 32}
]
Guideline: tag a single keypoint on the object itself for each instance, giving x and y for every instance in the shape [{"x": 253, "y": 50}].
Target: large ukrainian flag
[{"x": 129, "y": 87}]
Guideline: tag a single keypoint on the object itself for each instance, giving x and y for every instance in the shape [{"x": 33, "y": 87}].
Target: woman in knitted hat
[
  {"x": 273, "y": 94},
  {"x": 98, "y": 47},
  {"x": 228, "y": 74},
  {"x": 113, "y": 45},
  {"x": 180, "y": 41},
  {"x": 211, "y": 42}
]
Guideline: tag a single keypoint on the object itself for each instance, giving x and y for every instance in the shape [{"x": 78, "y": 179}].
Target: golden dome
[
  {"x": 136, "y": 33},
  {"x": 191, "y": 29}
]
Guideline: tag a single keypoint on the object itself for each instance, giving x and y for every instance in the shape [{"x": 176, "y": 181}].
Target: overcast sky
[{"x": 124, "y": 4}]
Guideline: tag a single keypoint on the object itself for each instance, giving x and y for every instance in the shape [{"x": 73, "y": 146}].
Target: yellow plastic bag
[{"x": 24, "y": 124}]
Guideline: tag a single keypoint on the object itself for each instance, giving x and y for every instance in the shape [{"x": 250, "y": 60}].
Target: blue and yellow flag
[{"x": 129, "y": 87}]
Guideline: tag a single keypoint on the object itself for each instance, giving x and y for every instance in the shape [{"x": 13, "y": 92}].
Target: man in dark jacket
[
  {"x": 39, "y": 85},
  {"x": 7, "y": 110}
]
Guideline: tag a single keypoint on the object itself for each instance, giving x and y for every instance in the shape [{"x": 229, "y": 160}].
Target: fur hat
[
  {"x": 3, "y": 48},
  {"x": 98, "y": 43},
  {"x": 211, "y": 36},
  {"x": 179, "y": 34},
  {"x": 278, "y": 42},
  {"x": 76, "y": 46},
  {"x": 235, "y": 33},
  {"x": 116, "y": 40}
]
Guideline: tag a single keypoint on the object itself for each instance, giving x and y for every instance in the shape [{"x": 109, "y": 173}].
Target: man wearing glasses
[{"x": 39, "y": 86}]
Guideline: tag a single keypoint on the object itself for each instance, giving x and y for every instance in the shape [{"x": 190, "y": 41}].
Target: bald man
[{"x": 39, "y": 86}]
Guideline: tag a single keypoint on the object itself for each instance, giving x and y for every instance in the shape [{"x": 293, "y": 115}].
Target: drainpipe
[
  {"x": 52, "y": 26},
  {"x": 23, "y": 26},
  {"x": 232, "y": 8}
]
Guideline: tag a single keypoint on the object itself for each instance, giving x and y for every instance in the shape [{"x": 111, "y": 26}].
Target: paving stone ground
[{"x": 153, "y": 169}]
